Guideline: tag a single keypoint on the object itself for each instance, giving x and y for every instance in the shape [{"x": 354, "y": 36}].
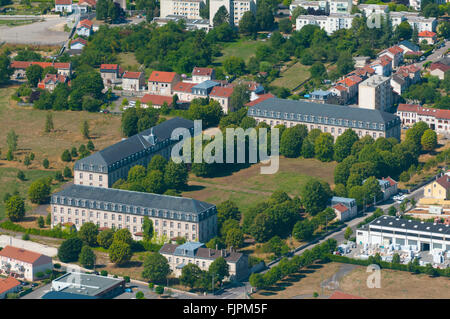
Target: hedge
[{"x": 55, "y": 232}]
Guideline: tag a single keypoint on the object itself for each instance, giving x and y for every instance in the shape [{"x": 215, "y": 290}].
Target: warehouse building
[
  {"x": 114, "y": 208},
  {"x": 409, "y": 234},
  {"x": 85, "y": 286},
  {"x": 328, "y": 118}
]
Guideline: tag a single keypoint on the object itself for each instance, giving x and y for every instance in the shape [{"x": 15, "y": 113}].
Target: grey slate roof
[
  {"x": 414, "y": 225},
  {"x": 322, "y": 110},
  {"x": 131, "y": 198},
  {"x": 132, "y": 145},
  {"x": 206, "y": 85}
]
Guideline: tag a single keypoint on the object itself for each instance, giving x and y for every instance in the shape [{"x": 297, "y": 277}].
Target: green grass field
[
  {"x": 242, "y": 49},
  {"x": 128, "y": 61},
  {"x": 247, "y": 186},
  {"x": 293, "y": 76},
  {"x": 9, "y": 183}
]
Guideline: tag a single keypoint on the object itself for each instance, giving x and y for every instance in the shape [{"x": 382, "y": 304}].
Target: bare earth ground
[
  {"x": 35, "y": 33},
  {"x": 394, "y": 284}
]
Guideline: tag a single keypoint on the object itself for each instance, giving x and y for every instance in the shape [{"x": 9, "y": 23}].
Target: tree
[
  {"x": 90, "y": 145},
  {"x": 88, "y": 234},
  {"x": 157, "y": 163},
  {"x": 416, "y": 132},
  {"x": 264, "y": 16},
  {"x": 285, "y": 25},
  {"x": 34, "y": 74},
  {"x": 257, "y": 279},
  {"x": 11, "y": 140},
  {"x": 343, "y": 145},
  {"x": 156, "y": 268},
  {"x": 323, "y": 147},
  {"x": 70, "y": 250},
  {"x": 105, "y": 238},
  {"x": 49, "y": 123},
  {"x": 41, "y": 222},
  {"x": 396, "y": 258},
  {"x": 65, "y": 156},
  {"x": 292, "y": 139},
  {"x": 136, "y": 174},
  {"x": 235, "y": 238},
  {"x": 45, "y": 163},
  {"x": 261, "y": 228},
  {"x": 154, "y": 182},
  {"x": 404, "y": 30},
  {"x": 234, "y": 66},
  {"x": 221, "y": 16},
  {"x": 39, "y": 191},
  {"x": 85, "y": 129},
  {"x": 87, "y": 257},
  {"x": 48, "y": 219},
  {"x": 176, "y": 175},
  {"x": 227, "y": 210},
  {"x": 348, "y": 233},
  {"x": 147, "y": 227},
  {"x": 247, "y": 24},
  {"x": 120, "y": 252},
  {"x": 345, "y": 62},
  {"x": 219, "y": 269},
  {"x": 215, "y": 243},
  {"x": 15, "y": 208},
  {"x": 315, "y": 196},
  {"x": 317, "y": 70},
  {"x": 123, "y": 235},
  {"x": 429, "y": 140},
  {"x": 303, "y": 230},
  {"x": 239, "y": 97},
  {"x": 67, "y": 173},
  {"x": 190, "y": 275},
  {"x": 5, "y": 69},
  {"x": 21, "y": 175}
]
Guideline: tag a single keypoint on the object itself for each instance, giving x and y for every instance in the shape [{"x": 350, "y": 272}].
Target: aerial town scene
[{"x": 224, "y": 149}]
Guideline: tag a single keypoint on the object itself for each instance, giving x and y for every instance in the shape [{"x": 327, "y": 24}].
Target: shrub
[
  {"x": 159, "y": 290},
  {"x": 21, "y": 175},
  {"x": 139, "y": 295},
  {"x": 104, "y": 273},
  {"x": 126, "y": 278},
  {"x": 67, "y": 172},
  {"x": 57, "y": 266},
  {"x": 45, "y": 163},
  {"x": 66, "y": 157},
  {"x": 26, "y": 237},
  {"x": 40, "y": 274}
]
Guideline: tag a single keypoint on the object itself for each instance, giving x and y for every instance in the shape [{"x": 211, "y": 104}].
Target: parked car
[{"x": 128, "y": 290}]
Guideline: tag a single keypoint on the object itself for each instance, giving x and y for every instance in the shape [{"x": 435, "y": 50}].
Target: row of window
[{"x": 189, "y": 261}]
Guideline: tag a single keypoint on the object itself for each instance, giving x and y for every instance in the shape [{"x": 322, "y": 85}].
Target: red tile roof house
[
  {"x": 155, "y": 101},
  {"x": 87, "y": 3},
  {"x": 222, "y": 95},
  {"x": 200, "y": 75},
  {"x": 260, "y": 98},
  {"x": 78, "y": 44},
  {"x": 23, "y": 264},
  {"x": 133, "y": 81},
  {"x": 395, "y": 53},
  {"x": 85, "y": 27},
  {"x": 382, "y": 66},
  {"x": 63, "y": 6},
  {"x": 341, "y": 92},
  {"x": 404, "y": 78},
  {"x": 110, "y": 74},
  {"x": 427, "y": 36},
  {"x": 351, "y": 83},
  {"x": 438, "y": 69},
  {"x": 20, "y": 68},
  {"x": 437, "y": 119},
  {"x": 162, "y": 83},
  {"x": 342, "y": 212},
  {"x": 51, "y": 81},
  {"x": 8, "y": 286},
  {"x": 184, "y": 91}
]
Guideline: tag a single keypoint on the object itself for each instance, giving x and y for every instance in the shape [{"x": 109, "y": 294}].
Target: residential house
[
  {"x": 51, "y": 81},
  {"x": 222, "y": 94},
  {"x": 162, "y": 83},
  {"x": 342, "y": 212},
  {"x": 320, "y": 96},
  {"x": 196, "y": 253},
  {"x": 439, "y": 189},
  {"x": 260, "y": 98},
  {"x": 110, "y": 73},
  {"x": 345, "y": 208},
  {"x": 382, "y": 66},
  {"x": 341, "y": 92},
  {"x": 404, "y": 77},
  {"x": 156, "y": 101},
  {"x": 200, "y": 75},
  {"x": 395, "y": 53},
  {"x": 20, "y": 68},
  {"x": 23, "y": 264},
  {"x": 363, "y": 72},
  {"x": 64, "y": 6},
  {"x": 408, "y": 46},
  {"x": 438, "y": 69},
  {"x": 133, "y": 81},
  {"x": 87, "y": 5},
  {"x": 351, "y": 83},
  {"x": 328, "y": 118},
  {"x": 184, "y": 91},
  {"x": 8, "y": 286},
  {"x": 360, "y": 61},
  {"x": 437, "y": 119},
  {"x": 427, "y": 36},
  {"x": 78, "y": 44},
  {"x": 84, "y": 28},
  {"x": 172, "y": 216},
  {"x": 388, "y": 187}
]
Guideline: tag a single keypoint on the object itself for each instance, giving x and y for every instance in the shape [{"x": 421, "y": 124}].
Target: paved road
[
  {"x": 436, "y": 54},
  {"x": 38, "y": 293},
  {"x": 26, "y": 244}
]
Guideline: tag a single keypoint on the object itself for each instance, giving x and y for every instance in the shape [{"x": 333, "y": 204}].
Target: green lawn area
[
  {"x": 248, "y": 186},
  {"x": 9, "y": 183},
  {"x": 242, "y": 48},
  {"x": 128, "y": 61},
  {"x": 293, "y": 76}
]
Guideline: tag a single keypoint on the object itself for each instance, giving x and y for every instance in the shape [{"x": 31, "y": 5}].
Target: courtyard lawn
[
  {"x": 293, "y": 76},
  {"x": 248, "y": 186},
  {"x": 242, "y": 48}
]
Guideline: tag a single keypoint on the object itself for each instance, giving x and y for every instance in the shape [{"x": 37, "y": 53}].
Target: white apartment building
[
  {"x": 375, "y": 93},
  {"x": 331, "y": 23},
  {"x": 189, "y": 9},
  {"x": 235, "y": 9},
  {"x": 320, "y": 5},
  {"x": 437, "y": 119},
  {"x": 370, "y": 9},
  {"x": 413, "y": 18},
  {"x": 341, "y": 6}
]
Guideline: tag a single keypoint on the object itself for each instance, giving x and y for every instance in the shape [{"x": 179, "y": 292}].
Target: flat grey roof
[{"x": 87, "y": 284}]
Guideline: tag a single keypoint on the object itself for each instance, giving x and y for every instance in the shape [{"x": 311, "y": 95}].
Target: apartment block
[
  {"x": 235, "y": 9},
  {"x": 375, "y": 93},
  {"x": 189, "y": 9},
  {"x": 331, "y": 23}
]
